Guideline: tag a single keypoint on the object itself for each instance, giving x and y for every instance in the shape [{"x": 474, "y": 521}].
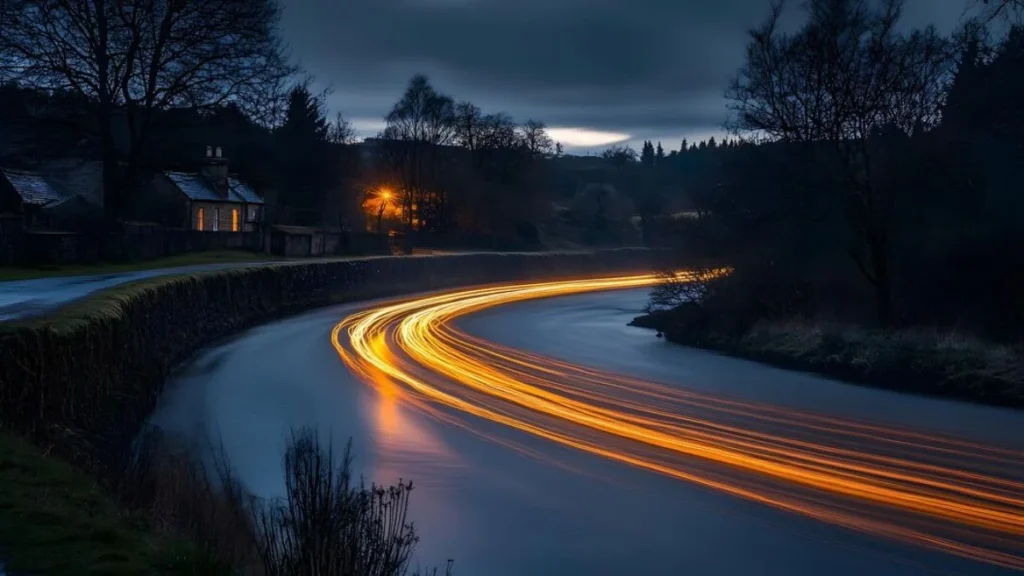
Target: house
[
  {"x": 210, "y": 200},
  {"x": 25, "y": 192},
  {"x": 63, "y": 193}
]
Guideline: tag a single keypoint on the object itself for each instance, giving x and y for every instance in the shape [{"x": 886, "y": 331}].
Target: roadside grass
[
  {"x": 54, "y": 520},
  {"x": 944, "y": 360},
  {"x": 922, "y": 360},
  {"x": 191, "y": 259}
]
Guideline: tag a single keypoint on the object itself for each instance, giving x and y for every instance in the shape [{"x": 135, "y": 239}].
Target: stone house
[
  {"x": 210, "y": 200},
  {"x": 63, "y": 193}
]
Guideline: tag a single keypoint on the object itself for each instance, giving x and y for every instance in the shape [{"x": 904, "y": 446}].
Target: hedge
[{"x": 84, "y": 379}]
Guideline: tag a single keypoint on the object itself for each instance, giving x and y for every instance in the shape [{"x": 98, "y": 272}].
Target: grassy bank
[
  {"x": 921, "y": 361},
  {"x": 55, "y": 520},
  {"x": 190, "y": 259},
  {"x": 83, "y": 379}
]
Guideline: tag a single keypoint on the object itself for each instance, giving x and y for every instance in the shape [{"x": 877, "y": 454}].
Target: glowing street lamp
[{"x": 385, "y": 195}]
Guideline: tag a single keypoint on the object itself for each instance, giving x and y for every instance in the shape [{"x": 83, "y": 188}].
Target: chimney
[{"x": 215, "y": 168}]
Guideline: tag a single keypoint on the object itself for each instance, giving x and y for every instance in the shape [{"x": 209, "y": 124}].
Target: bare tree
[
  {"x": 838, "y": 83},
  {"x": 469, "y": 125},
  {"x": 675, "y": 288},
  {"x": 135, "y": 58},
  {"x": 1011, "y": 10},
  {"x": 422, "y": 115},
  {"x": 534, "y": 137},
  {"x": 419, "y": 128},
  {"x": 620, "y": 155},
  {"x": 341, "y": 131},
  {"x": 499, "y": 132}
]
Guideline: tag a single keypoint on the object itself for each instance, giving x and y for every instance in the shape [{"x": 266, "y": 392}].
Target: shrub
[{"x": 327, "y": 524}]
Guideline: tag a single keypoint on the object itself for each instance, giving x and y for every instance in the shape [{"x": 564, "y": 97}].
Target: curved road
[
  {"x": 531, "y": 464},
  {"x": 26, "y": 298}
]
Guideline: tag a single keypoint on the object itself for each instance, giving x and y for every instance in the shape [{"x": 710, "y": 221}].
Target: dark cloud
[{"x": 649, "y": 68}]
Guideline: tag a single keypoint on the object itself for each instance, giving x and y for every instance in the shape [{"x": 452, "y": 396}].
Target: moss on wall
[{"x": 84, "y": 378}]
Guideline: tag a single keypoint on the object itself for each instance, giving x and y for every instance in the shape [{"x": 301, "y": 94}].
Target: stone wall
[{"x": 84, "y": 378}]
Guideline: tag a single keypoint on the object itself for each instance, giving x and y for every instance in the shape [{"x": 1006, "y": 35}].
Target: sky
[{"x": 597, "y": 72}]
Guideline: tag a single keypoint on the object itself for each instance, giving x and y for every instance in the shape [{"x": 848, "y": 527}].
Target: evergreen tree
[
  {"x": 711, "y": 143},
  {"x": 659, "y": 153},
  {"x": 304, "y": 165},
  {"x": 647, "y": 154},
  {"x": 684, "y": 147}
]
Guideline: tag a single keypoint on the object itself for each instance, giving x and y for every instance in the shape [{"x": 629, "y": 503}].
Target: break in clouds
[{"x": 597, "y": 72}]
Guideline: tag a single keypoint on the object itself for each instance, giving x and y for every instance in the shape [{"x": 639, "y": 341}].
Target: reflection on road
[{"x": 942, "y": 493}]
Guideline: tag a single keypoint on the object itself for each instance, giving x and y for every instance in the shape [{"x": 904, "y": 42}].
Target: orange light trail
[{"x": 942, "y": 493}]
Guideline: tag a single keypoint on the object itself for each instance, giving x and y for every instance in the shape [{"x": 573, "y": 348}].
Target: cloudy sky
[{"x": 595, "y": 71}]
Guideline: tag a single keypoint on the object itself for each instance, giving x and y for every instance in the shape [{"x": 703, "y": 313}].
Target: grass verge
[
  {"x": 921, "y": 361},
  {"x": 191, "y": 259},
  {"x": 55, "y": 520}
]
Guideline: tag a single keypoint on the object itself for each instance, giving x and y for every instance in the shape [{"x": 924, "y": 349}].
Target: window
[
  {"x": 216, "y": 219},
  {"x": 199, "y": 219},
  {"x": 234, "y": 219}
]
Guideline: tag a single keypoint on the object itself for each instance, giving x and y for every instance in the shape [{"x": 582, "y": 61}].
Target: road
[
  {"x": 535, "y": 453},
  {"x": 25, "y": 298}
]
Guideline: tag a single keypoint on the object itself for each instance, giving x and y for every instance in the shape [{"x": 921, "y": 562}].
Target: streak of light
[{"x": 942, "y": 493}]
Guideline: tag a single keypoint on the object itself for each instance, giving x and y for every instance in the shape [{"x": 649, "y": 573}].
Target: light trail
[{"x": 942, "y": 493}]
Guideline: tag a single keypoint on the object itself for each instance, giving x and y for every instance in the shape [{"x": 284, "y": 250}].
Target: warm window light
[
  {"x": 234, "y": 220},
  {"x": 199, "y": 220}
]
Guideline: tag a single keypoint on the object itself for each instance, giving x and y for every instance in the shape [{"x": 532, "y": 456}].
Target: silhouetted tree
[
  {"x": 659, "y": 153},
  {"x": 136, "y": 58},
  {"x": 1005, "y": 9},
  {"x": 848, "y": 74},
  {"x": 305, "y": 169},
  {"x": 340, "y": 131},
  {"x": 647, "y": 154},
  {"x": 469, "y": 125},
  {"x": 533, "y": 134},
  {"x": 620, "y": 156},
  {"x": 419, "y": 126}
]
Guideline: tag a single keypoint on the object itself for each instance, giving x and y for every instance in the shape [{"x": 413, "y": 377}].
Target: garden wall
[{"x": 85, "y": 378}]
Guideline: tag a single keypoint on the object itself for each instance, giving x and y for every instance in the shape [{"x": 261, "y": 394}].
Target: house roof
[
  {"x": 31, "y": 186},
  {"x": 75, "y": 177},
  {"x": 198, "y": 187}
]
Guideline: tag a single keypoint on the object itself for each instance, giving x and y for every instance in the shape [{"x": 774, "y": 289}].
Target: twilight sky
[{"x": 595, "y": 71}]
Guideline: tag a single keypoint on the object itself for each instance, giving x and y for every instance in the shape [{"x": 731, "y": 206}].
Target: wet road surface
[
  {"x": 26, "y": 298},
  {"x": 832, "y": 477}
]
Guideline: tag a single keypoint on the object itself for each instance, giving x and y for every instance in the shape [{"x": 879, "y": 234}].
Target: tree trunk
[
  {"x": 111, "y": 171},
  {"x": 882, "y": 281}
]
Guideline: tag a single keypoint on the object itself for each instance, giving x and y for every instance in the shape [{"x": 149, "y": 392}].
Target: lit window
[
  {"x": 199, "y": 219},
  {"x": 216, "y": 219},
  {"x": 234, "y": 219}
]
